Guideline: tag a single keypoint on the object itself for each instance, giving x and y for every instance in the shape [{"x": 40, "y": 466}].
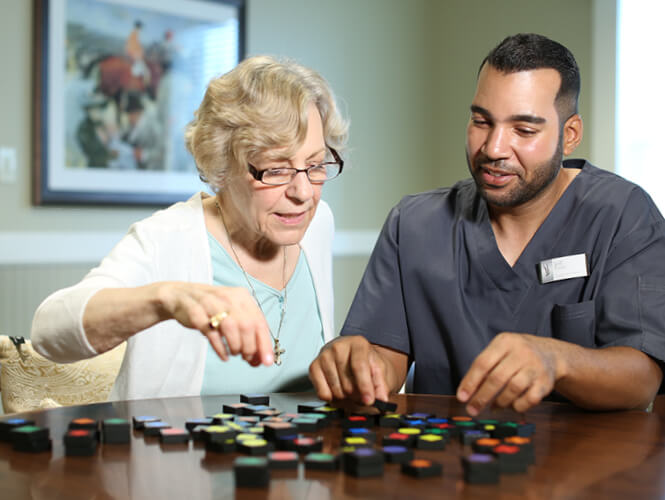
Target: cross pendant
[{"x": 278, "y": 351}]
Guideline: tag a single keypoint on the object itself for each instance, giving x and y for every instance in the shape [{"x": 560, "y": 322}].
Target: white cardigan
[{"x": 167, "y": 359}]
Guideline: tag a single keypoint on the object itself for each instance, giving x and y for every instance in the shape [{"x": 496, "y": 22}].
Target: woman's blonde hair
[{"x": 259, "y": 105}]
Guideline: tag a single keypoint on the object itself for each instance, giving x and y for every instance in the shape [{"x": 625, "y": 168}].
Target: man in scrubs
[{"x": 535, "y": 275}]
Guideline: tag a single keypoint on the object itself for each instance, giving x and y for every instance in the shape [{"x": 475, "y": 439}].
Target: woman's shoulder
[{"x": 179, "y": 216}]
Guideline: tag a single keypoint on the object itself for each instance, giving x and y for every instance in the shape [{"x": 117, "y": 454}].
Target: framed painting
[{"x": 116, "y": 82}]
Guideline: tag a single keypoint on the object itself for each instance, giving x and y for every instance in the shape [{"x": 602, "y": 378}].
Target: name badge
[{"x": 563, "y": 268}]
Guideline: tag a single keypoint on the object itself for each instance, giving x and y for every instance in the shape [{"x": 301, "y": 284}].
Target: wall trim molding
[{"x": 43, "y": 247}]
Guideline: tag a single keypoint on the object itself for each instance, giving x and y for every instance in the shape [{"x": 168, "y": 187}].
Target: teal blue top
[{"x": 301, "y": 335}]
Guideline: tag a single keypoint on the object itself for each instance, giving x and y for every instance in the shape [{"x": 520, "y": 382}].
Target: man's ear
[{"x": 573, "y": 130}]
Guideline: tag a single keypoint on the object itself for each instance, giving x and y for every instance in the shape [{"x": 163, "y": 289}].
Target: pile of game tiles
[{"x": 271, "y": 439}]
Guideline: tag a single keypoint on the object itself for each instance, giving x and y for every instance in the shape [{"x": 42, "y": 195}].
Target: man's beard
[{"x": 544, "y": 175}]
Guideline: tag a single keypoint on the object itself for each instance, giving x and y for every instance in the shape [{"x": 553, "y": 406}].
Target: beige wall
[{"x": 403, "y": 70}]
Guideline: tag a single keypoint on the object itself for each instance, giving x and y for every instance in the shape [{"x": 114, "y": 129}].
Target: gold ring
[{"x": 217, "y": 319}]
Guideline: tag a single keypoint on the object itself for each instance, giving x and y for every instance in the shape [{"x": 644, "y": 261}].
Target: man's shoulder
[
  {"x": 463, "y": 192},
  {"x": 603, "y": 191},
  {"x": 604, "y": 186}
]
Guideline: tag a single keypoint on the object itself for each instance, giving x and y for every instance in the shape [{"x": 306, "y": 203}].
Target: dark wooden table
[{"x": 578, "y": 455}]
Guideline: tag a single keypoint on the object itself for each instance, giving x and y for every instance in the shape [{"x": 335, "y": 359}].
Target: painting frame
[{"x": 89, "y": 152}]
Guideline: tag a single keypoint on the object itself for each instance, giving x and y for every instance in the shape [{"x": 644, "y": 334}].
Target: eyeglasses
[{"x": 317, "y": 174}]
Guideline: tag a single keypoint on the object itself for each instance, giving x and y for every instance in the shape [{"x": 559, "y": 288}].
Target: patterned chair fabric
[{"x": 28, "y": 381}]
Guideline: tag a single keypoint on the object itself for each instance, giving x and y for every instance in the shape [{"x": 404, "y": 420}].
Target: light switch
[{"x": 7, "y": 165}]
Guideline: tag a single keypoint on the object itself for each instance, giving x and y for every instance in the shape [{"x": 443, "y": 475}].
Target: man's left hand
[{"x": 515, "y": 370}]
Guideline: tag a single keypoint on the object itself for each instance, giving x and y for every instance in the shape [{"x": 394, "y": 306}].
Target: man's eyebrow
[
  {"x": 513, "y": 118},
  {"x": 527, "y": 118}
]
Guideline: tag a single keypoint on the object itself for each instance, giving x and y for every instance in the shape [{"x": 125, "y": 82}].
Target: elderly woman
[{"x": 250, "y": 268}]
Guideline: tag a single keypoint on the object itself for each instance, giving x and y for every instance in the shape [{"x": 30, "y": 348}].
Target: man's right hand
[{"x": 350, "y": 367}]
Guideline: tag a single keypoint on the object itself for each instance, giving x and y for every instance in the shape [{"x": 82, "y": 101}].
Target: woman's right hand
[{"x": 241, "y": 328}]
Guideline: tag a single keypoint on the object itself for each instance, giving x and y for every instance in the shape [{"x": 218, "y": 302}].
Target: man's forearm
[{"x": 611, "y": 378}]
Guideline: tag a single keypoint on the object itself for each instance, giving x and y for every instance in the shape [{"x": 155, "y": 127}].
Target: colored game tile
[
  {"x": 526, "y": 447},
  {"x": 451, "y": 428},
  {"x": 345, "y": 451},
  {"x": 252, "y": 420},
  {"x": 221, "y": 418},
  {"x": 461, "y": 418},
  {"x": 372, "y": 418},
  {"x": 79, "y": 437},
  {"x": 364, "y": 462},
  {"x": 151, "y": 429},
  {"x": 360, "y": 432},
  {"x": 286, "y": 443},
  {"x": 255, "y": 446},
  {"x": 116, "y": 431},
  {"x": 511, "y": 460},
  {"x": 422, "y": 468},
  {"x": 398, "y": 439},
  {"x": 235, "y": 408},
  {"x": 355, "y": 421},
  {"x": 525, "y": 429},
  {"x": 505, "y": 429},
  {"x": 80, "y": 442},
  {"x": 306, "y": 424},
  {"x": 357, "y": 442},
  {"x": 255, "y": 399},
  {"x": 310, "y": 407},
  {"x": 222, "y": 446},
  {"x": 30, "y": 438},
  {"x": 266, "y": 414},
  {"x": 84, "y": 423},
  {"x": 283, "y": 460},
  {"x": 391, "y": 420},
  {"x": 437, "y": 420},
  {"x": 191, "y": 423},
  {"x": 330, "y": 411},
  {"x": 384, "y": 406},
  {"x": 430, "y": 442},
  {"x": 237, "y": 426},
  {"x": 397, "y": 454},
  {"x": 468, "y": 437},
  {"x": 465, "y": 425},
  {"x": 417, "y": 423},
  {"x": 140, "y": 421},
  {"x": 173, "y": 435},
  {"x": 439, "y": 432},
  {"x": 217, "y": 433},
  {"x": 418, "y": 416},
  {"x": 251, "y": 472},
  {"x": 410, "y": 431},
  {"x": 485, "y": 445},
  {"x": 322, "y": 419},
  {"x": 251, "y": 410},
  {"x": 197, "y": 432},
  {"x": 274, "y": 430},
  {"x": 244, "y": 436},
  {"x": 12, "y": 423},
  {"x": 321, "y": 461},
  {"x": 306, "y": 445},
  {"x": 480, "y": 468}
]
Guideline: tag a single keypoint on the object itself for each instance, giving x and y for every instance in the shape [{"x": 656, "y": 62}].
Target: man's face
[{"x": 514, "y": 143}]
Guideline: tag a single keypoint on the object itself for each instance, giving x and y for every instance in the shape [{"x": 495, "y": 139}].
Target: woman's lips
[{"x": 291, "y": 218}]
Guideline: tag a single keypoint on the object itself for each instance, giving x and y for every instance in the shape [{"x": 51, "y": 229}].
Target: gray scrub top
[{"x": 438, "y": 289}]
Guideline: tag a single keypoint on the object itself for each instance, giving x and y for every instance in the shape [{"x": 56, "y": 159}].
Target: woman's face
[{"x": 282, "y": 214}]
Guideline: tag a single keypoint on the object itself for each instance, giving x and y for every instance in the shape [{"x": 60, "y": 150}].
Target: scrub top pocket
[{"x": 575, "y": 323}]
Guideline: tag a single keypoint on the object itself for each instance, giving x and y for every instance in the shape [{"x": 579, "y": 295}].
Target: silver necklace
[{"x": 278, "y": 350}]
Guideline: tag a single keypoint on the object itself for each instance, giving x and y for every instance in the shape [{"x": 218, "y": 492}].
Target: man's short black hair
[{"x": 529, "y": 51}]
